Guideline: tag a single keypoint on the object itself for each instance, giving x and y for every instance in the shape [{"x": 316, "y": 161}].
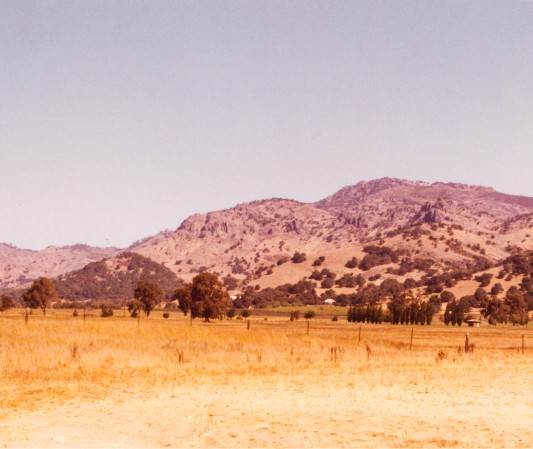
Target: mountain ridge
[
  {"x": 249, "y": 242},
  {"x": 369, "y": 210}
]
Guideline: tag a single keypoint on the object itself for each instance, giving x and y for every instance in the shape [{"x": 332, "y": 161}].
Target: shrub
[
  {"x": 246, "y": 313},
  {"x": 447, "y": 296},
  {"x": 319, "y": 261},
  {"x": 378, "y": 255},
  {"x": 334, "y": 318},
  {"x": 347, "y": 280},
  {"x": 409, "y": 283},
  {"x": 496, "y": 289},
  {"x": 295, "y": 315},
  {"x": 352, "y": 263},
  {"x": 230, "y": 282},
  {"x": 484, "y": 279},
  {"x": 309, "y": 314},
  {"x": 298, "y": 257},
  {"x": 327, "y": 283},
  {"x": 6, "y": 302},
  {"x": 166, "y": 315},
  {"x": 106, "y": 311}
]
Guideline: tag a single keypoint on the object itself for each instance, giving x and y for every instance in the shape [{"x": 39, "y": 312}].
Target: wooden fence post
[
  {"x": 411, "y": 344},
  {"x": 359, "y": 341}
]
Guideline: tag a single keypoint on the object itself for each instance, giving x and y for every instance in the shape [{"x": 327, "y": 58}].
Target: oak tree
[
  {"x": 183, "y": 296},
  {"x": 6, "y": 302},
  {"x": 209, "y": 297},
  {"x": 40, "y": 294},
  {"x": 148, "y": 294}
]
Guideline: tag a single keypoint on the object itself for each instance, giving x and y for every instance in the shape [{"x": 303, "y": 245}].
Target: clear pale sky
[{"x": 119, "y": 119}]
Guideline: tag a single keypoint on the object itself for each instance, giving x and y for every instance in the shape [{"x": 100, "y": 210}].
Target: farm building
[
  {"x": 329, "y": 301},
  {"x": 473, "y": 322}
]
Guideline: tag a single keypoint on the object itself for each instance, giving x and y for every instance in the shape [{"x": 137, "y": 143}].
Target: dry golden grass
[{"x": 164, "y": 383}]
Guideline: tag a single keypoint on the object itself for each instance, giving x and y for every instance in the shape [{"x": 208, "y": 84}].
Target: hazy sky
[{"x": 119, "y": 119}]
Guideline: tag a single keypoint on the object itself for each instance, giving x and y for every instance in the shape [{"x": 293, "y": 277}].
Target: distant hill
[
  {"x": 114, "y": 279},
  {"x": 19, "y": 267}
]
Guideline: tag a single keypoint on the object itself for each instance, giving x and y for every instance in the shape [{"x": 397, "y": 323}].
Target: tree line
[{"x": 205, "y": 297}]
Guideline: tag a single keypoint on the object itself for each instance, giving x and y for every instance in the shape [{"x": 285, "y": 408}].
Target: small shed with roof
[{"x": 472, "y": 322}]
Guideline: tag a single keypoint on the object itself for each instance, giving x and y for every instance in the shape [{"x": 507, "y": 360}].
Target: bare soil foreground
[{"x": 111, "y": 383}]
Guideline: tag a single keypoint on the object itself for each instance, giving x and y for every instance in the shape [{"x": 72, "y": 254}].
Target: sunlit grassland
[
  {"x": 66, "y": 356},
  {"x": 322, "y": 310}
]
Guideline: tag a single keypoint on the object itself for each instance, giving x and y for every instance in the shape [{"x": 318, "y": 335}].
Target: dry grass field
[{"x": 112, "y": 382}]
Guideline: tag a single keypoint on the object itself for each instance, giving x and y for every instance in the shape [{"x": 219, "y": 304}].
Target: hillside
[
  {"x": 450, "y": 224},
  {"x": 245, "y": 240},
  {"x": 114, "y": 279},
  {"x": 19, "y": 267},
  {"x": 433, "y": 228}
]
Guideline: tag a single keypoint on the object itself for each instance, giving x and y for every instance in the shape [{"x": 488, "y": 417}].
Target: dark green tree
[
  {"x": 517, "y": 306},
  {"x": 40, "y": 294},
  {"x": 327, "y": 283},
  {"x": 183, "y": 296},
  {"x": 448, "y": 313},
  {"x": 481, "y": 297},
  {"x": 456, "y": 310},
  {"x": 148, "y": 294},
  {"x": 447, "y": 296},
  {"x": 6, "y": 302},
  {"x": 496, "y": 289},
  {"x": 391, "y": 287},
  {"x": 484, "y": 279},
  {"x": 496, "y": 311},
  {"x": 231, "y": 283},
  {"x": 209, "y": 297}
]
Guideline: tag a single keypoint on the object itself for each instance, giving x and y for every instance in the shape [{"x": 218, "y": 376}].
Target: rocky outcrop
[{"x": 431, "y": 213}]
